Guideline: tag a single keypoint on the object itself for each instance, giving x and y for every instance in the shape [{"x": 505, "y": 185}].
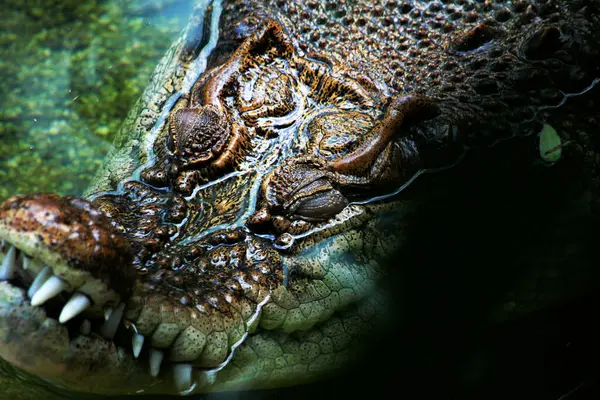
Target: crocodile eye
[
  {"x": 315, "y": 201},
  {"x": 320, "y": 206},
  {"x": 198, "y": 135}
]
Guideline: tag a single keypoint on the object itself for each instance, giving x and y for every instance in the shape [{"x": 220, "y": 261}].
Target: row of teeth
[{"x": 46, "y": 286}]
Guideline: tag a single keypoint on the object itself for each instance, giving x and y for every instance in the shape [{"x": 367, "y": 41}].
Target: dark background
[{"x": 485, "y": 217}]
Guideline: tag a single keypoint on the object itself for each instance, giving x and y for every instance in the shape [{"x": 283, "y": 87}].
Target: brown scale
[
  {"x": 356, "y": 125},
  {"x": 147, "y": 217},
  {"x": 197, "y": 135},
  {"x": 272, "y": 95},
  {"x": 239, "y": 272}
]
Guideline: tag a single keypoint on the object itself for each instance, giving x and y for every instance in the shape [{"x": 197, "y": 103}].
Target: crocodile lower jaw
[{"x": 62, "y": 340}]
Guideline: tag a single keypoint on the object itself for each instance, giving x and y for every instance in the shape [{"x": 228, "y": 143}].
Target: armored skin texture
[{"x": 238, "y": 233}]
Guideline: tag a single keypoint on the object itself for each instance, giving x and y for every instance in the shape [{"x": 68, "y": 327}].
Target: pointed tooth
[
  {"x": 9, "y": 266},
  {"x": 156, "y": 357},
  {"x": 86, "y": 327},
  {"x": 109, "y": 328},
  {"x": 39, "y": 281},
  {"x": 107, "y": 312},
  {"x": 137, "y": 342},
  {"x": 182, "y": 374},
  {"x": 75, "y": 306},
  {"x": 26, "y": 261},
  {"x": 53, "y": 286}
]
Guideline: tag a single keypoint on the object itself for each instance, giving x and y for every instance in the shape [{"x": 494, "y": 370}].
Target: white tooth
[
  {"x": 107, "y": 312},
  {"x": 137, "y": 342},
  {"x": 109, "y": 328},
  {"x": 39, "y": 281},
  {"x": 53, "y": 286},
  {"x": 25, "y": 264},
  {"x": 156, "y": 357},
  {"x": 75, "y": 306},
  {"x": 86, "y": 327},
  {"x": 26, "y": 261},
  {"x": 183, "y": 376},
  {"x": 8, "y": 268}
]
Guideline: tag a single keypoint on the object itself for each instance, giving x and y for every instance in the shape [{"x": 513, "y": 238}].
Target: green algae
[{"x": 70, "y": 71}]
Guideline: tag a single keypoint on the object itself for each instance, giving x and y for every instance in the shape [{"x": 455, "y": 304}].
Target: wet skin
[{"x": 236, "y": 235}]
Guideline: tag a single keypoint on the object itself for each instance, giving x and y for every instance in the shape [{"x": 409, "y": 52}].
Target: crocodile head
[{"x": 237, "y": 233}]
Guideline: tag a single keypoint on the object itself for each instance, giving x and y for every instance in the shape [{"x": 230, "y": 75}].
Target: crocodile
[{"x": 238, "y": 235}]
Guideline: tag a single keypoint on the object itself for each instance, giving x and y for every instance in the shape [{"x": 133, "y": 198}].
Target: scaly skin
[{"x": 234, "y": 222}]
